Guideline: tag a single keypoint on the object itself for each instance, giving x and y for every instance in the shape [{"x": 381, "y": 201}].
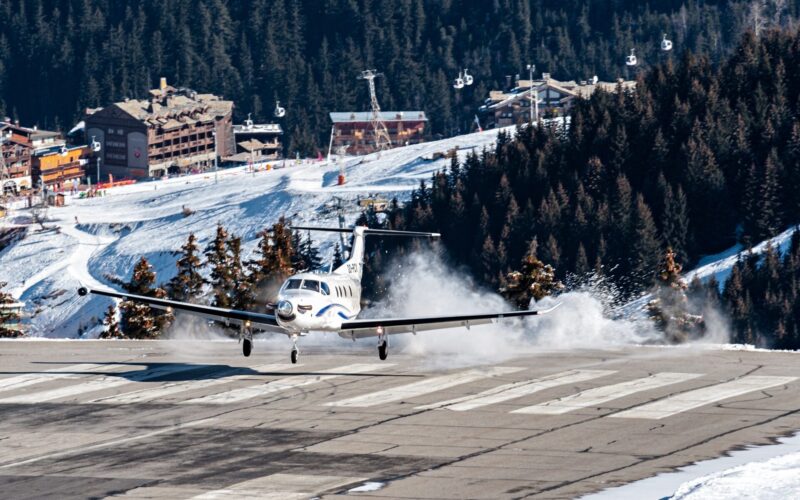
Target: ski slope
[{"x": 91, "y": 239}]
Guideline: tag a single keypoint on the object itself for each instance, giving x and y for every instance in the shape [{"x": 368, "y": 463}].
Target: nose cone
[{"x": 285, "y": 310}]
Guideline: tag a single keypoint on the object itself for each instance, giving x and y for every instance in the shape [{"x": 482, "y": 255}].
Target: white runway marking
[
  {"x": 392, "y": 394},
  {"x": 701, "y": 397},
  {"x": 516, "y": 390},
  {"x": 73, "y": 371},
  {"x": 170, "y": 388},
  {"x": 292, "y": 382},
  {"x": 279, "y": 487},
  {"x": 95, "y": 384},
  {"x": 600, "y": 395}
]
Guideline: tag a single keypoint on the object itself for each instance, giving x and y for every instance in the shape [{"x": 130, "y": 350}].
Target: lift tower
[{"x": 380, "y": 133}]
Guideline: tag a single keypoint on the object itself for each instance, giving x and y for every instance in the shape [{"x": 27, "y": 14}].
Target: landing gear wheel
[
  {"x": 294, "y": 356},
  {"x": 247, "y": 347},
  {"x": 383, "y": 350}
]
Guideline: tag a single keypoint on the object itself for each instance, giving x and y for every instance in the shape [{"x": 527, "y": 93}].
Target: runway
[{"x": 135, "y": 420}]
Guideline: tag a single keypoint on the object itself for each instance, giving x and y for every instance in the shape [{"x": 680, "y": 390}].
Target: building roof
[
  {"x": 570, "y": 89},
  {"x": 258, "y": 128},
  {"x": 176, "y": 107},
  {"x": 387, "y": 116},
  {"x": 252, "y": 145}
]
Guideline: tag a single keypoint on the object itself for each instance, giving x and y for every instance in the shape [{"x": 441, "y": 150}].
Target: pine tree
[
  {"x": 111, "y": 330},
  {"x": 535, "y": 280},
  {"x": 645, "y": 244},
  {"x": 218, "y": 259},
  {"x": 8, "y": 316},
  {"x": 187, "y": 284},
  {"x": 138, "y": 320},
  {"x": 670, "y": 308}
]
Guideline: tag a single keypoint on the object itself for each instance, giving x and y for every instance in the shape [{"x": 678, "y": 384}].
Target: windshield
[
  {"x": 292, "y": 284},
  {"x": 311, "y": 285},
  {"x": 324, "y": 288}
]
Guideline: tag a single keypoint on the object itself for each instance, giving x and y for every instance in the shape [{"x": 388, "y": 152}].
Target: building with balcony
[
  {"x": 61, "y": 169},
  {"x": 513, "y": 106},
  {"x": 353, "y": 131},
  {"x": 256, "y": 142},
  {"x": 175, "y": 130},
  {"x": 19, "y": 146}
]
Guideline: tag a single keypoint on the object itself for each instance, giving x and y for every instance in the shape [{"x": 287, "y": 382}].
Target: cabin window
[
  {"x": 324, "y": 288},
  {"x": 293, "y": 284},
  {"x": 350, "y": 290},
  {"x": 312, "y": 285}
]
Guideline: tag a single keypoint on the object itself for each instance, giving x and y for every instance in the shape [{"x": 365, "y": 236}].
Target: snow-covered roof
[
  {"x": 386, "y": 116},
  {"x": 258, "y": 128}
]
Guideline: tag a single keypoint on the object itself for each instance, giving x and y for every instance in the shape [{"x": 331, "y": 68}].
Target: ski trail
[{"x": 88, "y": 244}]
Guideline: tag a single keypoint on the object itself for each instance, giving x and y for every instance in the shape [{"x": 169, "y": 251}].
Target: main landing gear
[
  {"x": 246, "y": 336},
  {"x": 383, "y": 344}
]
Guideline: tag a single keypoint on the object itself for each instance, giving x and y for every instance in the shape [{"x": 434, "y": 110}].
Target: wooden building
[
  {"x": 175, "y": 130},
  {"x": 61, "y": 169},
  {"x": 511, "y": 107},
  {"x": 355, "y": 132},
  {"x": 20, "y": 145},
  {"x": 256, "y": 142}
]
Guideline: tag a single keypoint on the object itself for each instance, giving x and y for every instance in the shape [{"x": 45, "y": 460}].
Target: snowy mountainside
[{"x": 93, "y": 238}]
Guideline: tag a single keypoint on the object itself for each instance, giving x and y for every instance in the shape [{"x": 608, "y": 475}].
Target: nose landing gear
[{"x": 295, "y": 350}]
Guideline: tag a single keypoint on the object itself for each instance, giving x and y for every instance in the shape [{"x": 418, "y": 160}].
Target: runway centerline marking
[
  {"x": 96, "y": 384},
  {"x": 600, "y": 395},
  {"x": 700, "y": 397},
  {"x": 170, "y": 388},
  {"x": 434, "y": 384},
  {"x": 293, "y": 382},
  {"x": 515, "y": 390}
]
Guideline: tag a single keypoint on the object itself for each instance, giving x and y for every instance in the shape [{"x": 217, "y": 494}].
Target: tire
[
  {"x": 247, "y": 347},
  {"x": 383, "y": 350},
  {"x": 294, "y": 356}
]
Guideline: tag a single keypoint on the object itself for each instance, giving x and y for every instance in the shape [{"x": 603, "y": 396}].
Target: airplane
[{"x": 324, "y": 302}]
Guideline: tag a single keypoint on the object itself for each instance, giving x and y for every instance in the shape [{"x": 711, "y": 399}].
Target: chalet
[
  {"x": 175, "y": 130},
  {"x": 20, "y": 146},
  {"x": 354, "y": 130},
  {"x": 256, "y": 143},
  {"x": 504, "y": 108},
  {"x": 62, "y": 168}
]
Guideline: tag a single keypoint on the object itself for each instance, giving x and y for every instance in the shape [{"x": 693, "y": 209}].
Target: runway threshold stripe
[
  {"x": 597, "y": 396},
  {"x": 290, "y": 382},
  {"x": 171, "y": 388},
  {"x": 434, "y": 384},
  {"x": 700, "y": 397},
  {"x": 73, "y": 371},
  {"x": 279, "y": 486},
  {"x": 96, "y": 384},
  {"x": 516, "y": 390}
]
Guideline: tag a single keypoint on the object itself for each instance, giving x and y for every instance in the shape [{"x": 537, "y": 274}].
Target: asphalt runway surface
[{"x": 123, "y": 419}]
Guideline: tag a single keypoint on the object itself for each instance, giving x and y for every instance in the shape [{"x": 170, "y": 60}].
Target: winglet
[{"x": 551, "y": 309}]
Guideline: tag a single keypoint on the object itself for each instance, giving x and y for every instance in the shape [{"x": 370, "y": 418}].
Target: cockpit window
[
  {"x": 324, "y": 288},
  {"x": 293, "y": 284},
  {"x": 311, "y": 285}
]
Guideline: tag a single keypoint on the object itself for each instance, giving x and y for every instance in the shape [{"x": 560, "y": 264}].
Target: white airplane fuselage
[{"x": 318, "y": 302}]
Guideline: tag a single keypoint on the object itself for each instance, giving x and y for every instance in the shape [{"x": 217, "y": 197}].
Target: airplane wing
[
  {"x": 359, "y": 328},
  {"x": 257, "y": 321}
]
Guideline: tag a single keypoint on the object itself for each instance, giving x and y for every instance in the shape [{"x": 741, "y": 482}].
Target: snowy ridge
[{"x": 95, "y": 238}]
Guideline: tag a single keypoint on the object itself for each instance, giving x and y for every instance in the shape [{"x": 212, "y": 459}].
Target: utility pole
[
  {"x": 380, "y": 133},
  {"x": 5, "y": 176},
  {"x": 533, "y": 95},
  {"x": 96, "y": 148}
]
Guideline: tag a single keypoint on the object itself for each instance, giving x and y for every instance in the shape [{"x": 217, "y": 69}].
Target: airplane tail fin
[{"x": 355, "y": 264}]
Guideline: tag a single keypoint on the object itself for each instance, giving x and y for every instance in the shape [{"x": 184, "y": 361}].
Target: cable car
[
  {"x": 279, "y": 111},
  {"x": 666, "y": 45},
  {"x": 467, "y": 78},
  {"x": 458, "y": 83},
  {"x": 631, "y": 59},
  {"x": 248, "y": 124}
]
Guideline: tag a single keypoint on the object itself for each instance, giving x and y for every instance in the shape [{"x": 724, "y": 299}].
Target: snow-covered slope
[{"x": 93, "y": 238}]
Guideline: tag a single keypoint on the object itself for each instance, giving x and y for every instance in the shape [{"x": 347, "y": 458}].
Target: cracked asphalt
[{"x": 124, "y": 419}]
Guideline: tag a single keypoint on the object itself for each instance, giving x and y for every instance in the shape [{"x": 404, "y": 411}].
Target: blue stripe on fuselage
[{"x": 341, "y": 314}]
